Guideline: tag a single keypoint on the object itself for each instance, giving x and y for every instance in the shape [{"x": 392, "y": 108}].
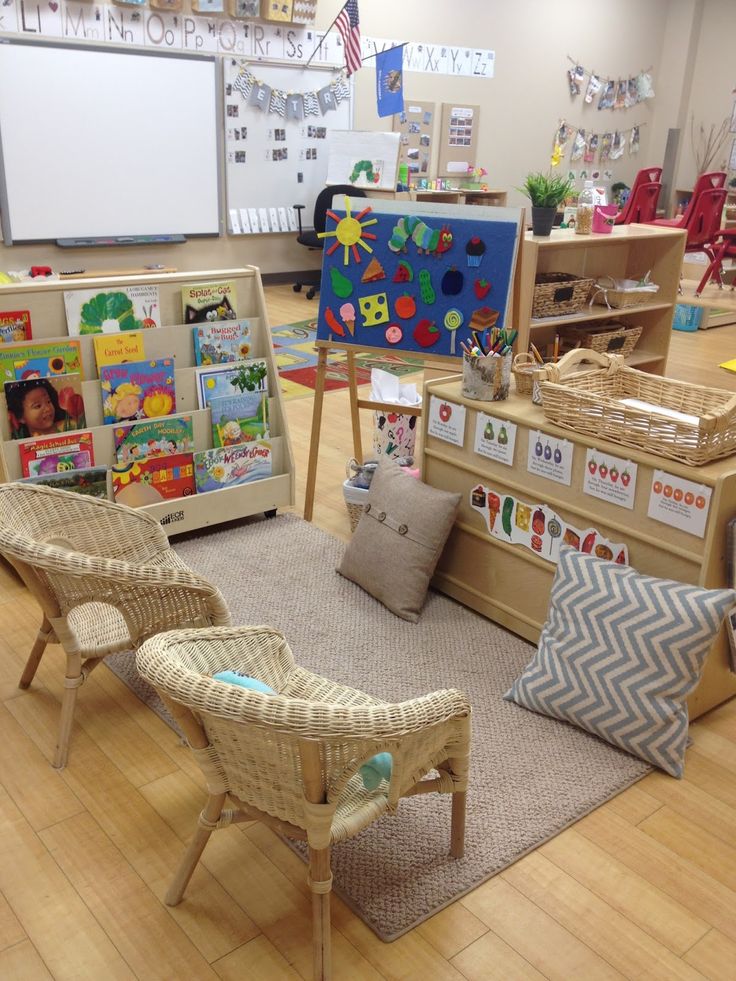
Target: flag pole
[
  {"x": 385, "y": 51},
  {"x": 324, "y": 36}
]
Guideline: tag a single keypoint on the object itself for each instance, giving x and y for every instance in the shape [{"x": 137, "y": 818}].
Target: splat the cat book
[{"x": 207, "y": 302}]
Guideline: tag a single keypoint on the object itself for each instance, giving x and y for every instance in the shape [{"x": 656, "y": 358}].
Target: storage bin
[
  {"x": 558, "y": 293},
  {"x": 617, "y": 293},
  {"x": 607, "y": 338}
]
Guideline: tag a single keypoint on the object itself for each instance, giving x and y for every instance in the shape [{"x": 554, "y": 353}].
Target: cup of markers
[{"x": 487, "y": 365}]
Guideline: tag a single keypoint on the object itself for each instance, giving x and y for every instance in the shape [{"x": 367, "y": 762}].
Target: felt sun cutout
[{"x": 349, "y": 233}]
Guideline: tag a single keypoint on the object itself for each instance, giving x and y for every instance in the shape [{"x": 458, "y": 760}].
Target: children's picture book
[
  {"x": 221, "y": 343},
  {"x": 206, "y": 302},
  {"x": 154, "y": 479},
  {"x": 107, "y": 312},
  {"x": 15, "y": 325},
  {"x": 157, "y": 437},
  {"x": 38, "y": 367},
  {"x": 61, "y": 357},
  {"x": 228, "y": 466},
  {"x": 44, "y": 406},
  {"x": 215, "y": 381},
  {"x": 56, "y": 454},
  {"x": 118, "y": 348},
  {"x": 87, "y": 480},
  {"x": 239, "y": 418},
  {"x": 137, "y": 390}
]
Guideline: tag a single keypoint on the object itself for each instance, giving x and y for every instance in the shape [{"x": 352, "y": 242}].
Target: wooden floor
[{"x": 645, "y": 887}]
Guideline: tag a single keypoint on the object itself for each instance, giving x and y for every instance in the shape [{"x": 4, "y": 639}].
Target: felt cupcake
[{"x": 475, "y": 250}]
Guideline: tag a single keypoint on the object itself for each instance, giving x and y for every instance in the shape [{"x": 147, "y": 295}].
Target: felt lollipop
[{"x": 453, "y": 320}]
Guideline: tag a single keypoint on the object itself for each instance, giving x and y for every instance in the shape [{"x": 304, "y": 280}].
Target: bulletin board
[
  {"x": 273, "y": 162},
  {"x": 458, "y": 142},
  {"x": 415, "y": 277},
  {"x": 415, "y": 126},
  {"x": 363, "y": 158}
]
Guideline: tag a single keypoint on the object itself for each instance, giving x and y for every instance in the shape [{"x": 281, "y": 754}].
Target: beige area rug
[{"x": 530, "y": 776}]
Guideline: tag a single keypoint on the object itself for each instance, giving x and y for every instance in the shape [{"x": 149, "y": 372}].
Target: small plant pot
[{"x": 542, "y": 220}]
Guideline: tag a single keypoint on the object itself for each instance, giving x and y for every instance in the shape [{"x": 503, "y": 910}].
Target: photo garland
[
  {"x": 612, "y": 93},
  {"x": 291, "y": 105},
  {"x": 585, "y": 146}
]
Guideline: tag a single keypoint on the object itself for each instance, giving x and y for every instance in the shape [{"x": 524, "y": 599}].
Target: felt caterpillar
[{"x": 425, "y": 238}]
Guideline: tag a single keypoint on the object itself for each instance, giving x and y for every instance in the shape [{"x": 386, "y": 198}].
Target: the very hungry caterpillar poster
[
  {"x": 108, "y": 311},
  {"x": 415, "y": 277}
]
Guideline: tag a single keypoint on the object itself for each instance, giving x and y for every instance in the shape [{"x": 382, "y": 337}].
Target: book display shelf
[{"x": 45, "y": 301}]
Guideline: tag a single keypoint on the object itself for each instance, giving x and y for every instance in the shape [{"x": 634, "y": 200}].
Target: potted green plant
[{"x": 546, "y": 192}]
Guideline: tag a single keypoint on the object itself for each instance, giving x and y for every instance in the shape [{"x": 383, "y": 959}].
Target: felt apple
[
  {"x": 481, "y": 288},
  {"x": 445, "y": 412},
  {"x": 405, "y": 306},
  {"x": 426, "y": 333}
]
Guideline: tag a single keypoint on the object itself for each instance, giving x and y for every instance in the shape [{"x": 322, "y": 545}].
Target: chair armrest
[{"x": 299, "y": 208}]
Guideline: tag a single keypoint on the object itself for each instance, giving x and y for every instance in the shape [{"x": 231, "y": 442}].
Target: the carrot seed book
[
  {"x": 157, "y": 437},
  {"x": 137, "y": 390},
  {"x": 229, "y": 466},
  {"x": 15, "y": 325},
  {"x": 239, "y": 418},
  {"x": 222, "y": 342},
  {"x": 62, "y": 357},
  {"x": 107, "y": 312},
  {"x": 55, "y": 454},
  {"x": 153, "y": 480},
  {"x": 44, "y": 406},
  {"x": 87, "y": 480},
  {"x": 206, "y": 302},
  {"x": 214, "y": 381},
  {"x": 118, "y": 348}
]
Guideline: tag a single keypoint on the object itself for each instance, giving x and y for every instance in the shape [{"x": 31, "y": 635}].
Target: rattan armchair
[
  {"x": 105, "y": 578},
  {"x": 292, "y": 759}
]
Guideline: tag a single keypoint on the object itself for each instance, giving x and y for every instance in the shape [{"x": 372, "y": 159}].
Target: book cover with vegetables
[
  {"x": 137, "y": 390},
  {"x": 153, "y": 480},
  {"x": 229, "y": 466},
  {"x": 118, "y": 348},
  {"x": 222, "y": 342},
  {"x": 157, "y": 437},
  {"x": 214, "y": 381},
  {"x": 56, "y": 454},
  {"x": 206, "y": 302},
  {"x": 15, "y": 325},
  {"x": 62, "y": 357},
  {"x": 239, "y": 418},
  {"x": 87, "y": 480},
  {"x": 44, "y": 406},
  {"x": 110, "y": 311}
]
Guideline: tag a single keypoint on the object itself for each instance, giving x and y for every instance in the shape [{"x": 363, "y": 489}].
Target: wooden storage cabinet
[
  {"x": 45, "y": 300},
  {"x": 629, "y": 252},
  {"x": 511, "y": 584}
]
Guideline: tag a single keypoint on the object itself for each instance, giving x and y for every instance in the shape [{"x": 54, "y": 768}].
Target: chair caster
[
  {"x": 310, "y": 292},
  {"x": 270, "y": 514},
  {"x": 297, "y": 287}
]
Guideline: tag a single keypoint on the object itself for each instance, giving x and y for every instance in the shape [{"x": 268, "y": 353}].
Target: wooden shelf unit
[
  {"x": 45, "y": 301},
  {"x": 629, "y": 252},
  {"x": 510, "y": 584}
]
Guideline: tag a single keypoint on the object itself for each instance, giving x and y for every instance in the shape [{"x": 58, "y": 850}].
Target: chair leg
[
  {"x": 320, "y": 882},
  {"x": 45, "y": 633},
  {"x": 457, "y": 825},
  {"x": 206, "y": 824},
  {"x": 72, "y": 681}
]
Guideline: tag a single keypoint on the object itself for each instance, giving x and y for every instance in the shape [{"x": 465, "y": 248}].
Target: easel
[{"x": 356, "y": 404}]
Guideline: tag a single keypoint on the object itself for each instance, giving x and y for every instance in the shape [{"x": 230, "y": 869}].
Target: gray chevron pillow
[{"x": 619, "y": 654}]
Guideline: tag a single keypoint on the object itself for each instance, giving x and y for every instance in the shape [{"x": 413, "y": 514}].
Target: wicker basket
[
  {"x": 558, "y": 293},
  {"x": 607, "y": 293},
  {"x": 523, "y": 368},
  {"x": 690, "y": 423},
  {"x": 355, "y": 500},
  {"x": 610, "y": 338}
]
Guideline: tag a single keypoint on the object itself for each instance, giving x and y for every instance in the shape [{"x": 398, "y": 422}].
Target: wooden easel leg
[
  {"x": 354, "y": 411},
  {"x": 319, "y": 394}
]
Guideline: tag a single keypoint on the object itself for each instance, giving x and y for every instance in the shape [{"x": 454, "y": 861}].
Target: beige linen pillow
[{"x": 399, "y": 539}]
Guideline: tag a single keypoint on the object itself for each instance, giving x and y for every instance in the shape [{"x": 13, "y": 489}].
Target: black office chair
[{"x": 309, "y": 238}]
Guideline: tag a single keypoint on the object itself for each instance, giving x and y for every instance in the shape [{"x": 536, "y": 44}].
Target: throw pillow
[
  {"x": 619, "y": 654},
  {"x": 399, "y": 539}
]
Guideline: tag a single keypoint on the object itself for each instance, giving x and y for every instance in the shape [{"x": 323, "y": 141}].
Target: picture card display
[
  {"x": 680, "y": 503},
  {"x": 44, "y": 406},
  {"x": 109, "y": 311},
  {"x": 495, "y": 438},
  {"x": 610, "y": 478},
  {"x": 137, "y": 390},
  {"x": 550, "y": 457},
  {"x": 446, "y": 420}
]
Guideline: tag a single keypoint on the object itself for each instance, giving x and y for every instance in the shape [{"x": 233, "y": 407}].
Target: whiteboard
[
  {"x": 97, "y": 143},
  {"x": 364, "y": 158},
  {"x": 272, "y": 161}
]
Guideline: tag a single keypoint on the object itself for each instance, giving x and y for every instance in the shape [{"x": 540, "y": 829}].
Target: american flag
[{"x": 348, "y": 24}]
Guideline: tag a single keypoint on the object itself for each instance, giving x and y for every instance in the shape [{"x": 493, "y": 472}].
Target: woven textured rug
[{"x": 530, "y": 776}]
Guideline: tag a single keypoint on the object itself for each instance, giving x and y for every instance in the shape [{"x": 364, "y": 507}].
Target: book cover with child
[
  {"x": 221, "y": 343},
  {"x": 229, "y": 466},
  {"x": 107, "y": 312},
  {"x": 137, "y": 390},
  {"x": 15, "y": 325},
  {"x": 44, "y": 406},
  {"x": 157, "y": 437},
  {"x": 61, "y": 357},
  {"x": 206, "y": 302},
  {"x": 56, "y": 454},
  {"x": 153, "y": 480},
  {"x": 216, "y": 381},
  {"x": 239, "y": 418},
  {"x": 118, "y": 348}
]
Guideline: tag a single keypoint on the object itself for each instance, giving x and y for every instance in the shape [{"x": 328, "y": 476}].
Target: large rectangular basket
[
  {"x": 615, "y": 294},
  {"x": 559, "y": 293},
  {"x": 610, "y": 338},
  {"x": 681, "y": 421}
]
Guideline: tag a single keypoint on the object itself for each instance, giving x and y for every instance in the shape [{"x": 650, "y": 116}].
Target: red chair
[
  {"x": 705, "y": 182},
  {"x": 641, "y": 205},
  {"x": 723, "y": 249},
  {"x": 649, "y": 175}
]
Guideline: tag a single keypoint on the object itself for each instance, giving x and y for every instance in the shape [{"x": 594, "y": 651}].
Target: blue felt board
[{"x": 398, "y": 240}]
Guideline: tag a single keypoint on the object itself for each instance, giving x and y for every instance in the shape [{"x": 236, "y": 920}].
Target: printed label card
[
  {"x": 109, "y": 311},
  {"x": 550, "y": 457},
  {"x": 680, "y": 503},
  {"x": 610, "y": 478},
  {"x": 446, "y": 421},
  {"x": 495, "y": 438}
]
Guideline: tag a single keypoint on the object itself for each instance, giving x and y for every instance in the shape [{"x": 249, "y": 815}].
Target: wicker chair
[
  {"x": 292, "y": 759},
  {"x": 105, "y": 578}
]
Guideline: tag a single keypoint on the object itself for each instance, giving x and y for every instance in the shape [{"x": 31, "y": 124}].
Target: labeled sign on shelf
[
  {"x": 550, "y": 457},
  {"x": 446, "y": 421},
  {"x": 680, "y": 503},
  {"x": 495, "y": 438},
  {"x": 610, "y": 478}
]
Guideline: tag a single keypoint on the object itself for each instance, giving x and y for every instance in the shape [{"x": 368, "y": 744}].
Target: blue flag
[{"x": 390, "y": 81}]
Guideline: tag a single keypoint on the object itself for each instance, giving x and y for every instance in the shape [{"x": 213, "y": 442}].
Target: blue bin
[{"x": 687, "y": 317}]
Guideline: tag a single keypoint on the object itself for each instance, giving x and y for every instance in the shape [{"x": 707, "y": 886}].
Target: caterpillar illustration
[{"x": 426, "y": 239}]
